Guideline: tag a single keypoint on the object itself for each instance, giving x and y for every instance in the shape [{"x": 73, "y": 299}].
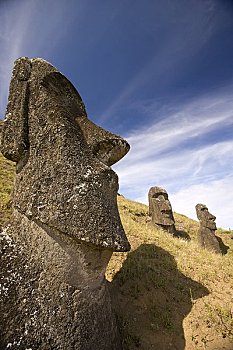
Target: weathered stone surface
[
  {"x": 160, "y": 209},
  {"x": 206, "y": 236},
  {"x": 65, "y": 225}
]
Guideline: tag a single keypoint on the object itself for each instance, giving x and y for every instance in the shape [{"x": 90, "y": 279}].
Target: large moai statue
[
  {"x": 65, "y": 223},
  {"x": 160, "y": 209},
  {"x": 206, "y": 233}
]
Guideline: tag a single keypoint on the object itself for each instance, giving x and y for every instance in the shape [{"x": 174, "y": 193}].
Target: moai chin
[
  {"x": 65, "y": 223},
  {"x": 206, "y": 233},
  {"x": 160, "y": 209}
]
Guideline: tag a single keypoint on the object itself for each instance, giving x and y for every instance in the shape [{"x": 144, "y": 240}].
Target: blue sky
[{"x": 159, "y": 73}]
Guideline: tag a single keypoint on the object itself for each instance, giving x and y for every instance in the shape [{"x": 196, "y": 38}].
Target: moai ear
[
  {"x": 60, "y": 88},
  {"x": 14, "y": 139},
  {"x": 150, "y": 202}
]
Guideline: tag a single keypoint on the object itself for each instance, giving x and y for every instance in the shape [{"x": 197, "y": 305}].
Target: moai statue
[
  {"x": 206, "y": 236},
  {"x": 65, "y": 223},
  {"x": 160, "y": 209}
]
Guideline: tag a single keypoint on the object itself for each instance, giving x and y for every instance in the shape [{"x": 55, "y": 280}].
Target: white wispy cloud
[
  {"x": 14, "y": 23},
  {"x": 168, "y": 154},
  {"x": 28, "y": 28},
  {"x": 217, "y": 195}
]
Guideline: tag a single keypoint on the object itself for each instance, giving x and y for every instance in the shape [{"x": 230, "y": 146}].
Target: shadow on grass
[
  {"x": 151, "y": 298},
  {"x": 183, "y": 235}
]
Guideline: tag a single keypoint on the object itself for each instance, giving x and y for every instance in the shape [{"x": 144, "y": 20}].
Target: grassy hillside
[{"x": 167, "y": 292}]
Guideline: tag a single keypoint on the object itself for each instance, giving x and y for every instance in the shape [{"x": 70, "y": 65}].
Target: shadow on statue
[
  {"x": 151, "y": 298},
  {"x": 223, "y": 247}
]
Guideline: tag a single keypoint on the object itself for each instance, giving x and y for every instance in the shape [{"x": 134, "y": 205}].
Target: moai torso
[
  {"x": 206, "y": 234},
  {"x": 65, "y": 224},
  {"x": 160, "y": 209}
]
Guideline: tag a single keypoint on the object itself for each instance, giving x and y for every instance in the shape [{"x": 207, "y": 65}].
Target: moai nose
[
  {"x": 107, "y": 147},
  {"x": 212, "y": 217},
  {"x": 165, "y": 205}
]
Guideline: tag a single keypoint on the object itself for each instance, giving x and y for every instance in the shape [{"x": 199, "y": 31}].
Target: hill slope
[{"x": 167, "y": 292}]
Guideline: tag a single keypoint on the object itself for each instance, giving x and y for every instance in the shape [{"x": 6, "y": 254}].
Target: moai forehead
[
  {"x": 201, "y": 210},
  {"x": 63, "y": 178},
  {"x": 155, "y": 191}
]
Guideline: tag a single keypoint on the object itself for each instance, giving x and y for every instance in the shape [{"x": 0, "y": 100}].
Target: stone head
[
  {"x": 160, "y": 207},
  {"x": 205, "y": 217},
  {"x": 63, "y": 175}
]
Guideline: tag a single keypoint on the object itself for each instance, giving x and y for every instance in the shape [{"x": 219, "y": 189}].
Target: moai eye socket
[
  {"x": 155, "y": 196},
  {"x": 204, "y": 209},
  {"x": 160, "y": 196}
]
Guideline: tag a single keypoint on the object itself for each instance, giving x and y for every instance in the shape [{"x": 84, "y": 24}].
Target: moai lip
[
  {"x": 160, "y": 209},
  {"x": 65, "y": 223},
  {"x": 206, "y": 233}
]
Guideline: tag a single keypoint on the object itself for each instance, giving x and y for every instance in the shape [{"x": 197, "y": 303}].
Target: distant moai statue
[
  {"x": 65, "y": 223},
  {"x": 206, "y": 236},
  {"x": 160, "y": 209}
]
